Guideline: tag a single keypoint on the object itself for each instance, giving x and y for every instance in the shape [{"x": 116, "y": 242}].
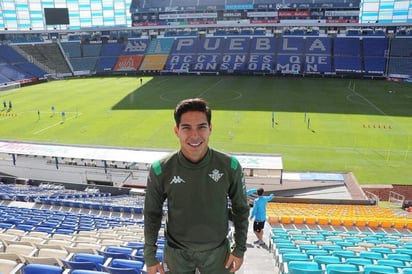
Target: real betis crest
[{"x": 215, "y": 175}]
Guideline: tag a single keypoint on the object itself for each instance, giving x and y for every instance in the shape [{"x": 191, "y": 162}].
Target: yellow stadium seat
[
  {"x": 399, "y": 224},
  {"x": 386, "y": 224},
  {"x": 323, "y": 220},
  {"x": 310, "y": 220},
  {"x": 360, "y": 223},
  {"x": 273, "y": 219},
  {"x": 336, "y": 221},
  {"x": 285, "y": 219},
  {"x": 298, "y": 219},
  {"x": 347, "y": 222},
  {"x": 373, "y": 223}
]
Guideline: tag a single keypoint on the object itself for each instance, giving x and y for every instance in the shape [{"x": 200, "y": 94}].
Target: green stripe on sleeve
[
  {"x": 157, "y": 168},
  {"x": 234, "y": 163}
]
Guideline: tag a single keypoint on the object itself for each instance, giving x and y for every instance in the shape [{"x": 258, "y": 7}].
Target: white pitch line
[
  {"x": 209, "y": 88},
  {"x": 56, "y": 124}
]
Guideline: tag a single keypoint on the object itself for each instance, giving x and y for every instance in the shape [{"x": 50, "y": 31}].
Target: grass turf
[{"x": 363, "y": 126}]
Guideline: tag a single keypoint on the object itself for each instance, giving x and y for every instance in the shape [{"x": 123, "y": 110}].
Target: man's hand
[
  {"x": 234, "y": 263},
  {"x": 154, "y": 269}
]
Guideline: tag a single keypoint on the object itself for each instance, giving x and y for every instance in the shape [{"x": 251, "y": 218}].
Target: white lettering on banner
[
  {"x": 259, "y": 66},
  {"x": 285, "y": 45},
  {"x": 237, "y": 44},
  {"x": 237, "y": 66},
  {"x": 232, "y": 14},
  {"x": 267, "y": 58},
  {"x": 260, "y": 62},
  {"x": 317, "y": 44},
  {"x": 234, "y": 66},
  {"x": 288, "y": 67},
  {"x": 253, "y": 58},
  {"x": 294, "y": 63},
  {"x": 313, "y": 63},
  {"x": 262, "y": 43},
  {"x": 184, "y": 43},
  {"x": 179, "y": 58},
  {"x": 135, "y": 46},
  {"x": 311, "y": 67},
  {"x": 205, "y": 66},
  {"x": 208, "y": 44},
  {"x": 187, "y": 58},
  {"x": 321, "y": 60},
  {"x": 200, "y": 58},
  {"x": 294, "y": 59},
  {"x": 174, "y": 59},
  {"x": 211, "y": 58},
  {"x": 235, "y": 58},
  {"x": 224, "y": 66}
]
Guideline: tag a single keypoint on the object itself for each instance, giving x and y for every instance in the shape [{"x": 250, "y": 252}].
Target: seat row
[
  {"x": 355, "y": 240},
  {"x": 78, "y": 263},
  {"x": 54, "y": 221},
  {"x": 336, "y": 215},
  {"x": 70, "y": 252},
  {"x": 330, "y": 267},
  {"x": 95, "y": 239},
  {"x": 17, "y": 255},
  {"x": 366, "y": 251}
]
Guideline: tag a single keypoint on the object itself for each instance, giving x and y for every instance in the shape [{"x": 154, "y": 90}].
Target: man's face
[{"x": 193, "y": 133}]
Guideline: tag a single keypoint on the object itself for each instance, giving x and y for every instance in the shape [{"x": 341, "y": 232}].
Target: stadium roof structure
[{"x": 249, "y": 161}]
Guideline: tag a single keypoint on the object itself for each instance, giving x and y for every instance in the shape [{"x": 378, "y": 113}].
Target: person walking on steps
[{"x": 259, "y": 214}]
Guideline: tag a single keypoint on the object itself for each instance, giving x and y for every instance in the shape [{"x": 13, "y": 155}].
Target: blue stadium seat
[
  {"x": 115, "y": 254},
  {"x": 382, "y": 250},
  {"x": 304, "y": 267},
  {"x": 114, "y": 270},
  {"x": 359, "y": 262},
  {"x": 346, "y": 272},
  {"x": 124, "y": 263},
  {"x": 42, "y": 269},
  {"x": 391, "y": 262},
  {"x": 371, "y": 255},
  {"x": 316, "y": 252},
  {"x": 287, "y": 257},
  {"x": 331, "y": 248},
  {"x": 404, "y": 251},
  {"x": 399, "y": 257},
  {"x": 344, "y": 254},
  {"x": 97, "y": 260},
  {"x": 340, "y": 267},
  {"x": 79, "y": 265},
  {"x": 83, "y": 271},
  {"x": 375, "y": 269},
  {"x": 324, "y": 260}
]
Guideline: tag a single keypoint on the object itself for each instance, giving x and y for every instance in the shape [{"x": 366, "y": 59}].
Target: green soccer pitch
[{"x": 316, "y": 124}]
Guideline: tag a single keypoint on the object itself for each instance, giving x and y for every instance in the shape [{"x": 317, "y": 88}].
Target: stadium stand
[
  {"x": 221, "y": 52},
  {"x": 47, "y": 54},
  {"x": 72, "y": 49},
  {"x": 109, "y": 237},
  {"x": 400, "y": 56},
  {"x": 80, "y": 231}
]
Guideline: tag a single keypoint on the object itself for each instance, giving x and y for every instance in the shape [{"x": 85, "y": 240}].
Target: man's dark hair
[
  {"x": 260, "y": 191},
  {"x": 194, "y": 104}
]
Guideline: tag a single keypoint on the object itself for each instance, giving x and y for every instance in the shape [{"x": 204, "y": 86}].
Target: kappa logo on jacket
[
  {"x": 215, "y": 175},
  {"x": 177, "y": 180}
]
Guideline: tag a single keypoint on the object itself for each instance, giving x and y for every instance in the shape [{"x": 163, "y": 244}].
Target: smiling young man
[{"x": 197, "y": 181}]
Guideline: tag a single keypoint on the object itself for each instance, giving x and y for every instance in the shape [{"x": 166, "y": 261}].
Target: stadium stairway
[{"x": 257, "y": 258}]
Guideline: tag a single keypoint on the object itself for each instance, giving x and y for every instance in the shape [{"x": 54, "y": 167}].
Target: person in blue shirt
[{"x": 259, "y": 214}]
